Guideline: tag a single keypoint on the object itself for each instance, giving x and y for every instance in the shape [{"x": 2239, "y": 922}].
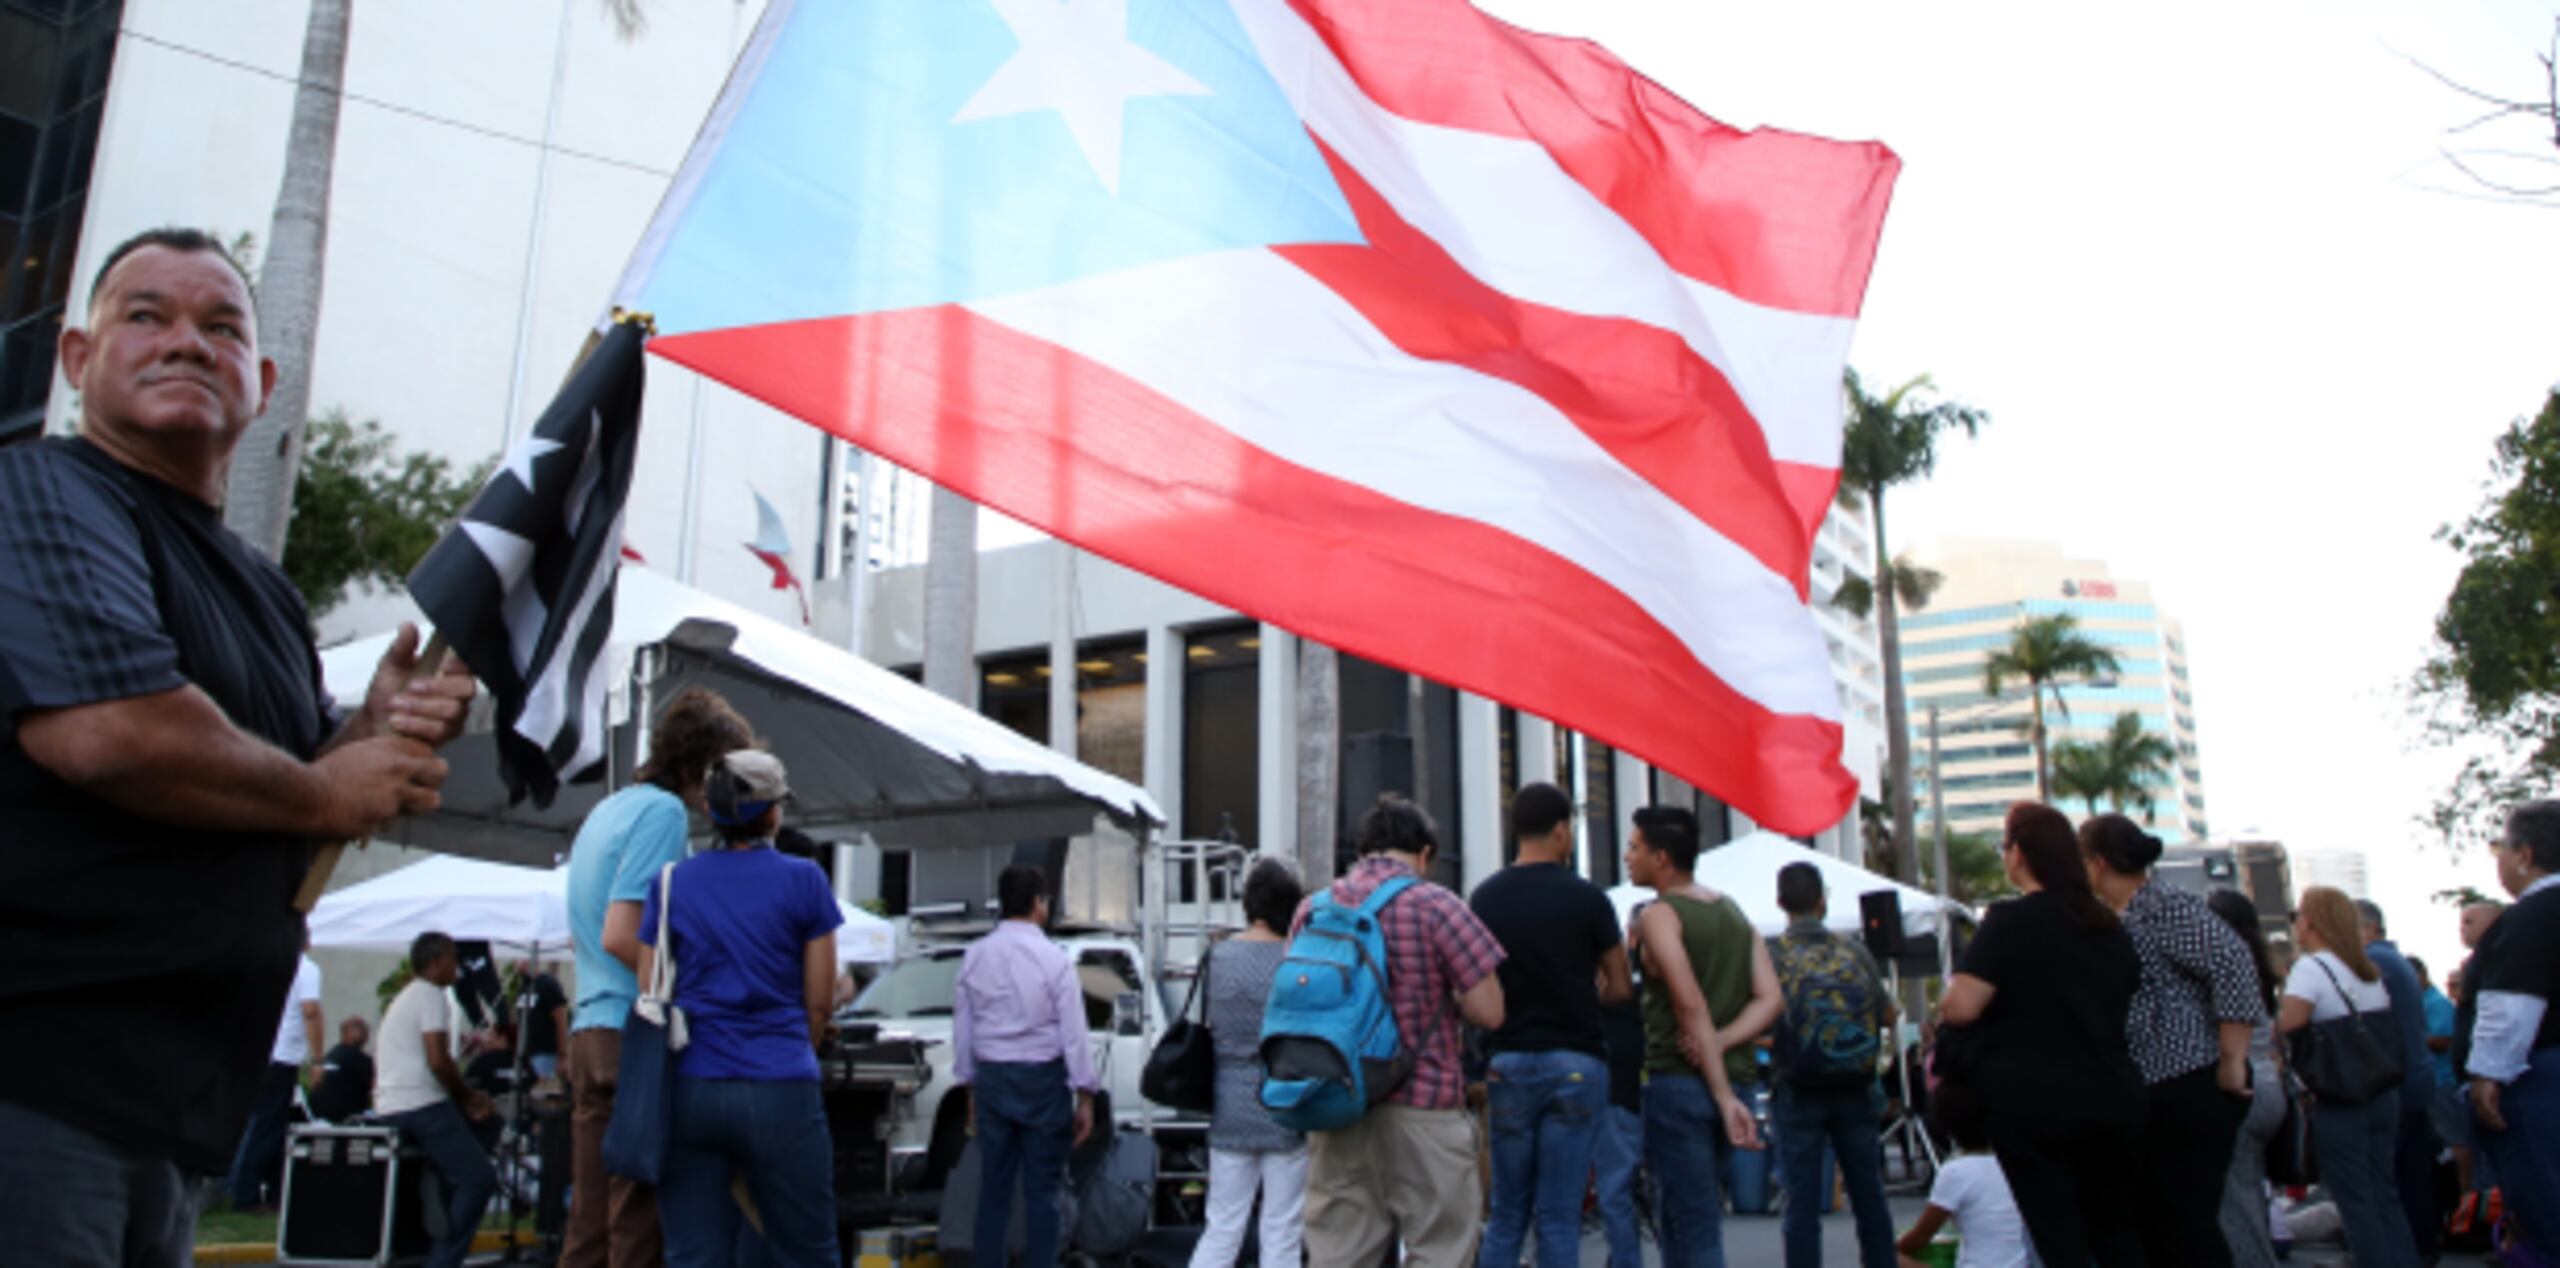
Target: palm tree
[
  {"x": 2134, "y": 761},
  {"x": 1912, "y": 587},
  {"x": 1319, "y": 758},
  {"x": 2080, "y": 770},
  {"x": 259, "y": 501},
  {"x": 1889, "y": 440},
  {"x": 951, "y": 596},
  {"x": 2043, "y": 651}
]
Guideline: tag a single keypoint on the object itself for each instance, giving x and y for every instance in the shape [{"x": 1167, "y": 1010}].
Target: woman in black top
[
  {"x": 2189, "y": 1034},
  {"x": 2045, "y": 988}
]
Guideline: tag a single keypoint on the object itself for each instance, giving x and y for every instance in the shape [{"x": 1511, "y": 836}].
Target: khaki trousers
[
  {"x": 613, "y": 1223},
  {"x": 1402, "y": 1173}
]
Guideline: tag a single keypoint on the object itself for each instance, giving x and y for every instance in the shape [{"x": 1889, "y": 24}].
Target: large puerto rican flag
[{"x": 1464, "y": 349}]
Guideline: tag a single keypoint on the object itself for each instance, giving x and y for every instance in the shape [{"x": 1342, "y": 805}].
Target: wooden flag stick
[{"x": 324, "y": 864}]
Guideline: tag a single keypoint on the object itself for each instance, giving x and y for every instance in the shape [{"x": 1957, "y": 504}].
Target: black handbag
[
  {"x": 1182, "y": 1072},
  {"x": 2289, "y": 1157},
  {"x": 2352, "y": 1059}
]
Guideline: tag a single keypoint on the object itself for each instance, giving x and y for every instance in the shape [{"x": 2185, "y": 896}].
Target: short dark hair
[
  {"x": 427, "y": 948},
  {"x": 173, "y": 238},
  {"x": 2120, "y": 843},
  {"x": 1673, "y": 831},
  {"x": 696, "y": 728},
  {"x": 1958, "y": 1111},
  {"x": 2534, "y": 828},
  {"x": 1395, "y": 825},
  {"x": 1537, "y": 809},
  {"x": 1272, "y": 894},
  {"x": 1019, "y": 888},
  {"x": 1799, "y": 888},
  {"x": 2419, "y": 967},
  {"x": 2369, "y": 913}
]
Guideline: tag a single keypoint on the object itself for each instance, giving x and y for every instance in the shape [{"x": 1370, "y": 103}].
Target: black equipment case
[{"x": 351, "y": 1197}]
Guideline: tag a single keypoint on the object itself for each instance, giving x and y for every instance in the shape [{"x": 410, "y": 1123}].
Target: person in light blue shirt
[
  {"x": 2438, "y": 1010},
  {"x": 621, "y": 846}
]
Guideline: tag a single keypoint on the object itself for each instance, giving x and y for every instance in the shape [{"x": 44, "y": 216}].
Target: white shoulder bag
[{"x": 658, "y": 998}]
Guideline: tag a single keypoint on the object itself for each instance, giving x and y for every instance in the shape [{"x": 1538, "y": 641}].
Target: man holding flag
[{"x": 168, "y": 759}]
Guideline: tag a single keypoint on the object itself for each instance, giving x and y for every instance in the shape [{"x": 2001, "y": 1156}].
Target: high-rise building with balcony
[{"x": 1986, "y": 755}]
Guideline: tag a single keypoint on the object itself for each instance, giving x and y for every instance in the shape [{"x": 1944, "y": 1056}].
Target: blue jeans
[
  {"x": 259, "y": 1163},
  {"x": 1545, "y": 1108},
  {"x": 2528, "y": 1152},
  {"x": 1844, "y": 1123},
  {"x": 2355, "y": 1145},
  {"x": 1026, "y": 1122},
  {"x": 67, "y": 1197},
  {"x": 445, "y": 1137},
  {"x": 772, "y": 1134},
  {"x": 1685, "y": 1148},
  {"x": 1613, "y": 1163}
]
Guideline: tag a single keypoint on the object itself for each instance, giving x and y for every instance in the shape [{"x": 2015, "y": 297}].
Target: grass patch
[{"x": 227, "y": 1226}]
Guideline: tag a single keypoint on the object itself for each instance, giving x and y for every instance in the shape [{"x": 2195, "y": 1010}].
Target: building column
[
  {"x": 1161, "y": 744},
  {"x": 1634, "y": 789},
  {"x": 1276, "y": 742},
  {"x": 1479, "y": 759},
  {"x": 1537, "y": 749},
  {"x": 1062, "y": 649}
]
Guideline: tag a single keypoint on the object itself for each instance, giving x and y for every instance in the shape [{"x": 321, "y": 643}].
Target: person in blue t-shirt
[
  {"x": 620, "y": 847},
  {"x": 2438, "y": 1010},
  {"x": 750, "y": 936}
]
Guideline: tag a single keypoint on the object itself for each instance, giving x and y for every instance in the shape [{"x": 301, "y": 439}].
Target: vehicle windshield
[{"x": 918, "y": 987}]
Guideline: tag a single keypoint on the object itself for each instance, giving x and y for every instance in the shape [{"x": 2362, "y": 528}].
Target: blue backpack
[{"x": 1330, "y": 1047}]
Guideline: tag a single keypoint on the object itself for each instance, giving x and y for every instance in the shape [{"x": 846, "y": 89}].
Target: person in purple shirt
[{"x": 1019, "y": 1046}]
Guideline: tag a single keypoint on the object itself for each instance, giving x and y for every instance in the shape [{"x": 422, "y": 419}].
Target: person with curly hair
[{"x": 618, "y": 852}]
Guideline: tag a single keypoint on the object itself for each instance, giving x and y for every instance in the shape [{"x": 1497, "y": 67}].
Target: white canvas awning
[
  {"x": 866, "y": 747},
  {"x": 1746, "y": 869},
  {"x": 476, "y": 900}
]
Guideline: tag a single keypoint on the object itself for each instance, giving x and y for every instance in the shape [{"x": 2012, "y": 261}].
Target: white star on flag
[
  {"x": 1076, "y": 58},
  {"x": 520, "y": 459}
]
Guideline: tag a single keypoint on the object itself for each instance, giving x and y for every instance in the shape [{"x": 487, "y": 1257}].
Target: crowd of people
[{"x": 2119, "y": 1059}]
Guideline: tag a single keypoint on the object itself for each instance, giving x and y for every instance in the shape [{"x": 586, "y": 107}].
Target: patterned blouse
[
  {"x": 2196, "y": 973},
  {"x": 1239, "y": 985}
]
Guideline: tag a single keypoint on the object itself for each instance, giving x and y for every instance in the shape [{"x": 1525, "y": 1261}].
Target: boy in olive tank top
[{"x": 1709, "y": 992}]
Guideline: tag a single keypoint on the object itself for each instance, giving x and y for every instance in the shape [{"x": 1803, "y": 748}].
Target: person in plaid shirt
[{"x": 1407, "y": 1171}]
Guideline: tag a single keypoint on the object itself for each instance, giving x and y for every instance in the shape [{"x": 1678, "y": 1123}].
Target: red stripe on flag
[
  {"x": 1810, "y": 490},
  {"x": 1100, "y": 459},
  {"x": 1638, "y": 391},
  {"x": 1774, "y": 217}
]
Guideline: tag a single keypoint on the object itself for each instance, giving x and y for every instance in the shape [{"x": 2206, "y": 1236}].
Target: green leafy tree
[
  {"x": 2122, "y": 769},
  {"x": 2042, "y": 652},
  {"x": 2492, "y": 687},
  {"x": 1974, "y": 872},
  {"x": 1892, "y": 440},
  {"x": 364, "y": 510}
]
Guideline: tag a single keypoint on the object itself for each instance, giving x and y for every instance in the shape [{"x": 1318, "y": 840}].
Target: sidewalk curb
[{"x": 265, "y": 1252}]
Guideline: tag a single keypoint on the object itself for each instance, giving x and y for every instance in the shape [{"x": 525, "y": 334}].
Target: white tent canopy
[
  {"x": 1746, "y": 869},
  {"x": 501, "y": 903},
  {"x": 865, "y": 746}
]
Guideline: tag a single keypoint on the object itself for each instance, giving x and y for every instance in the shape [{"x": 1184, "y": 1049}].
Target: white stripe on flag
[
  {"x": 546, "y": 698},
  {"x": 1508, "y": 214},
  {"x": 1260, "y": 348}
]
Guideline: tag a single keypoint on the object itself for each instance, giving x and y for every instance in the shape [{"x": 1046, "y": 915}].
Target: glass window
[
  {"x": 1014, "y": 689},
  {"x": 1111, "y": 707},
  {"x": 1221, "y": 734},
  {"x": 920, "y": 986}
]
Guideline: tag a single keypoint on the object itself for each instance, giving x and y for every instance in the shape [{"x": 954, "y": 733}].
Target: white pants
[{"x": 1233, "y": 1179}]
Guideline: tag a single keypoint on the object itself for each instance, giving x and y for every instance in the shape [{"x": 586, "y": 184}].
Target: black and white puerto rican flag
[{"x": 522, "y": 588}]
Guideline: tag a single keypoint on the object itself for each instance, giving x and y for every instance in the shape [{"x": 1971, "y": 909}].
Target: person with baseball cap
[{"x": 752, "y": 935}]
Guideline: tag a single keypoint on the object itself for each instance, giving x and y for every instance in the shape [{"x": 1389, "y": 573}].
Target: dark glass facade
[{"x": 54, "y": 57}]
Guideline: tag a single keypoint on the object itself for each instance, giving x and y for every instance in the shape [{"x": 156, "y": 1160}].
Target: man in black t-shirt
[
  {"x": 1549, "y": 1080},
  {"x": 168, "y": 761},
  {"x": 545, "y": 1009},
  {"x": 345, "y": 1089}
]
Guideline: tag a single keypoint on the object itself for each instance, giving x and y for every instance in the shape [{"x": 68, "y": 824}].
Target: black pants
[
  {"x": 2067, "y": 1171},
  {"x": 2186, "y": 1159},
  {"x": 2414, "y": 1166}
]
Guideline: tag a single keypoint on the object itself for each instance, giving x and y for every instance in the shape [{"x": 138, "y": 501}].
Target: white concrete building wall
[{"x": 435, "y": 243}]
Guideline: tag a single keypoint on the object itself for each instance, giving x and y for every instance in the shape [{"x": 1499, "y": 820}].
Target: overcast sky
[{"x": 2242, "y": 332}]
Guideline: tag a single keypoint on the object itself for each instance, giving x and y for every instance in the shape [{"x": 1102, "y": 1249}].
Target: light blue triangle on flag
[{"x": 850, "y": 181}]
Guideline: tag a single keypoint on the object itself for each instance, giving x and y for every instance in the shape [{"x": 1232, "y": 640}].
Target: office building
[
  {"x": 1986, "y": 757},
  {"x": 2342, "y": 870}
]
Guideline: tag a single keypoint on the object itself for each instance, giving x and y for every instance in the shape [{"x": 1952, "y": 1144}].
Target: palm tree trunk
[
  {"x": 259, "y": 503},
  {"x": 1319, "y": 758},
  {"x": 2044, "y": 767},
  {"x": 951, "y": 598},
  {"x": 1897, "y": 711}
]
